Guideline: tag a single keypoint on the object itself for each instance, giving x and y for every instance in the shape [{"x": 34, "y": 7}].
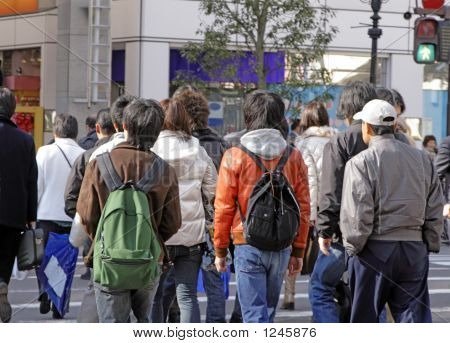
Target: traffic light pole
[{"x": 375, "y": 33}]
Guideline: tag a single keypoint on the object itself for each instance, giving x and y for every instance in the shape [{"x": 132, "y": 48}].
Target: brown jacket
[{"x": 131, "y": 164}]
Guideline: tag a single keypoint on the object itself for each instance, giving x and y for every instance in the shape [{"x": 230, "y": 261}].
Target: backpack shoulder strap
[
  {"x": 284, "y": 159},
  {"x": 108, "y": 173},
  {"x": 254, "y": 158},
  {"x": 152, "y": 176}
]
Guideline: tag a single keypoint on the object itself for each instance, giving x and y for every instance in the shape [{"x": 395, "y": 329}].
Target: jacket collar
[
  {"x": 7, "y": 121},
  {"x": 382, "y": 138},
  {"x": 66, "y": 141}
]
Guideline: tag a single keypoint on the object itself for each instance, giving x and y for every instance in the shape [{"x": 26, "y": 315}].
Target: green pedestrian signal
[
  {"x": 426, "y": 40},
  {"x": 426, "y": 53}
]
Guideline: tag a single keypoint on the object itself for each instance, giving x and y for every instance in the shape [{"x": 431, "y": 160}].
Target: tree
[{"x": 295, "y": 28}]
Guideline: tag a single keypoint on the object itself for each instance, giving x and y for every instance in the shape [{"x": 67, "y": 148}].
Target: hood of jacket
[
  {"x": 316, "y": 131},
  {"x": 180, "y": 152},
  {"x": 266, "y": 143}
]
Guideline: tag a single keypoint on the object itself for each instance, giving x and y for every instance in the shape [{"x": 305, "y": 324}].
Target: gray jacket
[
  {"x": 391, "y": 192},
  {"x": 311, "y": 144}
]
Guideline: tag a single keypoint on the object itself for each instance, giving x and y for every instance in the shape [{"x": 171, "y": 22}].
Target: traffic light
[{"x": 426, "y": 40}]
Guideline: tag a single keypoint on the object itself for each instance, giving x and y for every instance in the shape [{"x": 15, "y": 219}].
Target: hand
[
  {"x": 447, "y": 211},
  {"x": 295, "y": 265},
  {"x": 221, "y": 264},
  {"x": 325, "y": 244},
  {"x": 31, "y": 225}
]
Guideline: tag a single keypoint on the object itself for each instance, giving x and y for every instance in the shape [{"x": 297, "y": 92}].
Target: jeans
[
  {"x": 213, "y": 284},
  {"x": 115, "y": 305},
  {"x": 9, "y": 246},
  {"x": 164, "y": 296},
  {"x": 259, "y": 277},
  {"x": 88, "y": 311},
  {"x": 327, "y": 272},
  {"x": 187, "y": 261}
]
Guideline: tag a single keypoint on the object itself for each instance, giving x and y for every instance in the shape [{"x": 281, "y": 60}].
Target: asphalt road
[{"x": 23, "y": 296}]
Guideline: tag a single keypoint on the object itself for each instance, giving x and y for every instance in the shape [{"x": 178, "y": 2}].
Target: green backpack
[{"x": 127, "y": 249}]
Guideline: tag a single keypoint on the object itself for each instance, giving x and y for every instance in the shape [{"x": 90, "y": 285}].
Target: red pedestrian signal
[
  {"x": 433, "y": 4},
  {"x": 426, "y": 40}
]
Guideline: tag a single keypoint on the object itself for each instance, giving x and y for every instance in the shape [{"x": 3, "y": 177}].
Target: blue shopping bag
[
  {"x": 57, "y": 270},
  {"x": 226, "y": 282}
]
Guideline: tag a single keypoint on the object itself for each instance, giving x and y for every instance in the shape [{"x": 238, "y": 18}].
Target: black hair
[
  {"x": 386, "y": 95},
  {"x": 117, "y": 110},
  {"x": 7, "y": 103},
  {"x": 65, "y": 126},
  {"x": 353, "y": 98},
  {"x": 295, "y": 124},
  {"x": 90, "y": 122},
  {"x": 428, "y": 139},
  {"x": 380, "y": 130},
  {"x": 265, "y": 110},
  {"x": 398, "y": 100},
  {"x": 315, "y": 114},
  {"x": 105, "y": 122},
  {"x": 144, "y": 119}
]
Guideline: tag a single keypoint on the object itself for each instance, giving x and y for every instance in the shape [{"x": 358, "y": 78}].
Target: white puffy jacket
[
  {"x": 196, "y": 176},
  {"x": 311, "y": 144}
]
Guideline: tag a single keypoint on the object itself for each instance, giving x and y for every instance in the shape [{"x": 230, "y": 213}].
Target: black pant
[
  {"x": 9, "y": 246},
  {"x": 389, "y": 272},
  {"x": 49, "y": 226}
]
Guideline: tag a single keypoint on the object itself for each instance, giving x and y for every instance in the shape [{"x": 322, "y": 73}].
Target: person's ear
[
  {"x": 98, "y": 129},
  {"x": 124, "y": 127}
]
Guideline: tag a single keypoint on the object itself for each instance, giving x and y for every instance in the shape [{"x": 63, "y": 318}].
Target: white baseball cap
[{"x": 377, "y": 112}]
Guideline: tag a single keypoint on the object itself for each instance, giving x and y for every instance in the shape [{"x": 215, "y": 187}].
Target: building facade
[{"x": 147, "y": 35}]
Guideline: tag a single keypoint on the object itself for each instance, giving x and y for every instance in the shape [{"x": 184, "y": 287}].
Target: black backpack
[{"x": 273, "y": 212}]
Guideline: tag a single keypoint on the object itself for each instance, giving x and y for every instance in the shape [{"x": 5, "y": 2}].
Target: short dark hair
[
  {"x": 90, "y": 121},
  {"x": 7, "y": 102},
  {"x": 105, "y": 122},
  {"x": 295, "y": 123},
  {"x": 65, "y": 126},
  {"x": 315, "y": 114},
  {"x": 117, "y": 110},
  {"x": 427, "y": 139},
  {"x": 353, "y": 98},
  {"x": 144, "y": 120},
  {"x": 265, "y": 110},
  {"x": 386, "y": 95},
  {"x": 380, "y": 130},
  {"x": 176, "y": 117},
  {"x": 398, "y": 99},
  {"x": 196, "y": 107}
]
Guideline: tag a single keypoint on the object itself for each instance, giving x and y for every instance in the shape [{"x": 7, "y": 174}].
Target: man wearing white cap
[{"x": 391, "y": 218}]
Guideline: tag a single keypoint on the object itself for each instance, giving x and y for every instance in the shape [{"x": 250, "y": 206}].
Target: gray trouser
[
  {"x": 114, "y": 306},
  {"x": 88, "y": 311}
]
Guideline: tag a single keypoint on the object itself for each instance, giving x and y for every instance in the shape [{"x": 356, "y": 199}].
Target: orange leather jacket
[{"x": 237, "y": 176}]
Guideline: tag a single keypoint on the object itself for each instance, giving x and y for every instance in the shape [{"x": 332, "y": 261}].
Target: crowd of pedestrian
[{"x": 156, "y": 199}]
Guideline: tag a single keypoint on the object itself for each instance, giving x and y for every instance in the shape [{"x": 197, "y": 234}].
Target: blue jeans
[
  {"x": 213, "y": 284},
  {"x": 164, "y": 297},
  {"x": 259, "y": 277},
  {"x": 327, "y": 272},
  {"x": 187, "y": 261},
  {"x": 115, "y": 305}
]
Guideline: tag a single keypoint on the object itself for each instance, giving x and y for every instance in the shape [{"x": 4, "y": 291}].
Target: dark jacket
[
  {"x": 337, "y": 152},
  {"x": 442, "y": 163},
  {"x": 131, "y": 164},
  {"x": 88, "y": 141},
  {"x": 214, "y": 145},
  {"x": 234, "y": 138},
  {"x": 76, "y": 178},
  {"x": 18, "y": 176}
]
